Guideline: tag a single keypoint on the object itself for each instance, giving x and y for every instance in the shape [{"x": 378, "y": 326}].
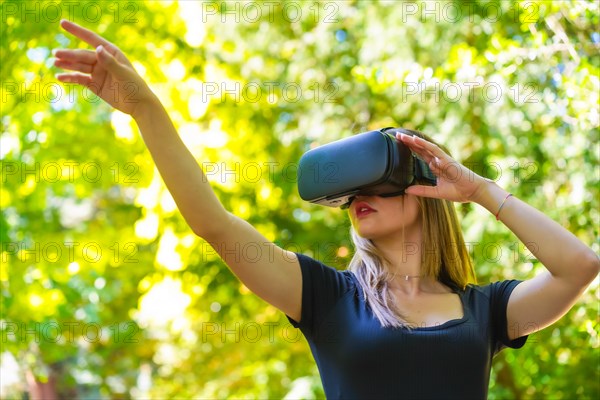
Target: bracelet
[{"x": 502, "y": 205}]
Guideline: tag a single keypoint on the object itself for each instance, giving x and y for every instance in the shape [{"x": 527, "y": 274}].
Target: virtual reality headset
[{"x": 371, "y": 163}]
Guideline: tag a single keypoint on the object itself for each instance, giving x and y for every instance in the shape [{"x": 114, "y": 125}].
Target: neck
[
  {"x": 403, "y": 252},
  {"x": 405, "y": 277}
]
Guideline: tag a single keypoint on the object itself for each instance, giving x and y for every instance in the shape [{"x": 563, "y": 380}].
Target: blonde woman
[{"x": 406, "y": 319}]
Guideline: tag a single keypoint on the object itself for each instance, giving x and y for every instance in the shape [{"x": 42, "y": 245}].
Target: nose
[
  {"x": 358, "y": 197},
  {"x": 351, "y": 200},
  {"x": 362, "y": 197}
]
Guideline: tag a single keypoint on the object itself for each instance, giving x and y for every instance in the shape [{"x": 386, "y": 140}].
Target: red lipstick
[{"x": 362, "y": 209}]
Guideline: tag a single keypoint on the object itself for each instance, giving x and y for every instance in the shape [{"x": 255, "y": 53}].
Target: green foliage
[{"x": 94, "y": 249}]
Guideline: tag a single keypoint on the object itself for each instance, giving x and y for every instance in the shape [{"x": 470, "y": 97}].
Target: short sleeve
[
  {"x": 499, "y": 294},
  {"x": 322, "y": 287}
]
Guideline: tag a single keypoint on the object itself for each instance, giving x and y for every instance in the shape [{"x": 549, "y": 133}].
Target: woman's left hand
[{"x": 455, "y": 182}]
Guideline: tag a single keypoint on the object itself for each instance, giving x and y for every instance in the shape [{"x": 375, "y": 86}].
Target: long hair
[{"x": 444, "y": 256}]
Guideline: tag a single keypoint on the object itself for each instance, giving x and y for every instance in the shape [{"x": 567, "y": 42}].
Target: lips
[{"x": 363, "y": 209}]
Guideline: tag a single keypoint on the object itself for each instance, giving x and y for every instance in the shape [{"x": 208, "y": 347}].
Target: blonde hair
[{"x": 444, "y": 256}]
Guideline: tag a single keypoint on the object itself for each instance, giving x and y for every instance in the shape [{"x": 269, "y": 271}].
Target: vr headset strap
[{"x": 423, "y": 174}]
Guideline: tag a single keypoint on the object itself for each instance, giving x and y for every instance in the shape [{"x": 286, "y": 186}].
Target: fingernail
[{"x": 99, "y": 49}]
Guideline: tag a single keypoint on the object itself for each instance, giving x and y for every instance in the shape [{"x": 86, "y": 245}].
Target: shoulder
[
  {"x": 322, "y": 288},
  {"x": 494, "y": 289},
  {"x": 322, "y": 274},
  {"x": 490, "y": 303},
  {"x": 493, "y": 297},
  {"x": 307, "y": 261}
]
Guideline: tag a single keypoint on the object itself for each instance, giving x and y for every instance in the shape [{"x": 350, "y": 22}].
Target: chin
[
  {"x": 364, "y": 235},
  {"x": 370, "y": 234}
]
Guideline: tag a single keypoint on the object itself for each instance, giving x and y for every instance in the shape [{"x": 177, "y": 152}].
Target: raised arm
[
  {"x": 109, "y": 74},
  {"x": 273, "y": 274},
  {"x": 570, "y": 265}
]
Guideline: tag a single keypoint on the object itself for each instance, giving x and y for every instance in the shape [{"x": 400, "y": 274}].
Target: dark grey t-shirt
[{"x": 357, "y": 358}]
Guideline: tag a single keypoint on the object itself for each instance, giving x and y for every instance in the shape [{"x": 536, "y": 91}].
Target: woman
[{"x": 406, "y": 319}]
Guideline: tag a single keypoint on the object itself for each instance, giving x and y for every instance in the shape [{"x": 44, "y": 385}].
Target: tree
[{"x": 105, "y": 290}]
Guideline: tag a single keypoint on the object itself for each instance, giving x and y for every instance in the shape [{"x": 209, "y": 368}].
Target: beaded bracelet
[{"x": 502, "y": 205}]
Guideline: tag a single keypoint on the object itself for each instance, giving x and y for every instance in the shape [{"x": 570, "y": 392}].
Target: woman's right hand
[
  {"x": 275, "y": 274},
  {"x": 105, "y": 71}
]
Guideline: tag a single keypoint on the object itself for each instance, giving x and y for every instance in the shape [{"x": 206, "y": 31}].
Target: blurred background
[{"x": 105, "y": 291}]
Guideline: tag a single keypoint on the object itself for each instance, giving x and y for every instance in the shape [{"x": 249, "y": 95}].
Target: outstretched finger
[
  {"x": 84, "y": 34},
  {"x": 76, "y": 55},
  {"x": 74, "y": 66},
  {"x": 432, "y": 148},
  {"x": 75, "y": 77},
  {"x": 416, "y": 148}
]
